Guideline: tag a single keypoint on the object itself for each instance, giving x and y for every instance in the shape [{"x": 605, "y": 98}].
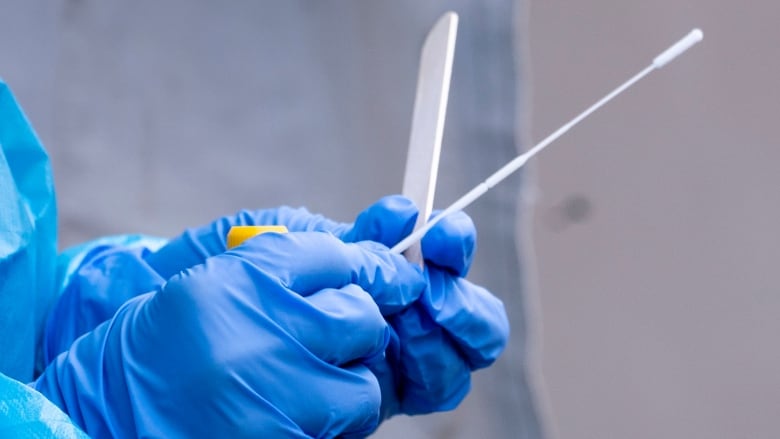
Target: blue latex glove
[
  {"x": 456, "y": 327},
  {"x": 267, "y": 340},
  {"x": 95, "y": 279},
  {"x": 383, "y": 222},
  {"x": 98, "y": 277}
]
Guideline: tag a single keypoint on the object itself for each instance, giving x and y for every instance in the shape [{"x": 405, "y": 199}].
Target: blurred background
[
  {"x": 656, "y": 220},
  {"x": 654, "y": 306}
]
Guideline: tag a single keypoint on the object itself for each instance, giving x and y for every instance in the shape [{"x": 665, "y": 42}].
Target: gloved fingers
[
  {"x": 387, "y": 371},
  {"x": 309, "y": 262},
  {"x": 435, "y": 375},
  {"x": 207, "y": 343},
  {"x": 474, "y": 318},
  {"x": 256, "y": 328},
  {"x": 348, "y": 403},
  {"x": 359, "y": 410},
  {"x": 338, "y": 326},
  {"x": 323, "y": 400},
  {"x": 387, "y": 221},
  {"x": 451, "y": 243},
  {"x": 107, "y": 278},
  {"x": 194, "y": 245}
]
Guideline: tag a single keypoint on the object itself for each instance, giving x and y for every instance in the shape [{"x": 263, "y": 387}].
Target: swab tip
[{"x": 678, "y": 48}]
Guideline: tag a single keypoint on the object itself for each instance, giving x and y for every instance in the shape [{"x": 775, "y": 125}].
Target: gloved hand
[
  {"x": 383, "y": 222},
  {"x": 113, "y": 270},
  {"x": 454, "y": 328},
  {"x": 267, "y": 340}
]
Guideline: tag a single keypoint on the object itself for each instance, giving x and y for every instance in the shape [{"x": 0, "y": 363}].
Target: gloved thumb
[
  {"x": 451, "y": 243},
  {"x": 387, "y": 221}
]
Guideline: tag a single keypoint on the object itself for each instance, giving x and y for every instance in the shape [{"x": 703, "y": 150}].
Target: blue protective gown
[
  {"x": 28, "y": 248},
  {"x": 28, "y": 238}
]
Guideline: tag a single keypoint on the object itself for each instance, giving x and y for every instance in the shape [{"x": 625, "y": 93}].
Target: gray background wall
[{"x": 657, "y": 220}]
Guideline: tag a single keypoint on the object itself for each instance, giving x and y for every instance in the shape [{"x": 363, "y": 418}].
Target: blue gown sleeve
[{"x": 26, "y": 413}]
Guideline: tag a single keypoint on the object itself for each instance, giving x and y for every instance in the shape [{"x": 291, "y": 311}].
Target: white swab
[{"x": 659, "y": 61}]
